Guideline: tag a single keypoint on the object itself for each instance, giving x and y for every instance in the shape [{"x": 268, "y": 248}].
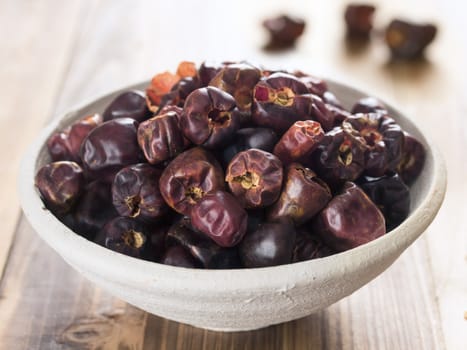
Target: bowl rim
[{"x": 108, "y": 264}]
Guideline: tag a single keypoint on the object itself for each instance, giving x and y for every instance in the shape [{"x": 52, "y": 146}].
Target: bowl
[{"x": 232, "y": 300}]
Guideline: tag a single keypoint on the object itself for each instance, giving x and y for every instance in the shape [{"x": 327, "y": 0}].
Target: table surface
[{"x": 55, "y": 54}]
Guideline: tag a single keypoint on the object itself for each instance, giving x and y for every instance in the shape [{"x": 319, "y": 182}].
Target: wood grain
[
  {"x": 55, "y": 308},
  {"x": 35, "y": 50},
  {"x": 419, "y": 303}
]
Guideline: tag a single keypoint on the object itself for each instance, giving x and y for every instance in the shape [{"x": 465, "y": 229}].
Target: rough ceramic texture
[{"x": 232, "y": 300}]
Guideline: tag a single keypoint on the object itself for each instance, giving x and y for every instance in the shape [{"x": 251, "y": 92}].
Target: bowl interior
[
  {"x": 348, "y": 96},
  {"x": 239, "y": 299}
]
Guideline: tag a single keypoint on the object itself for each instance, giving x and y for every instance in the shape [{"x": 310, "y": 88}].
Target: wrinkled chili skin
[
  {"x": 110, "y": 147},
  {"x": 312, "y": 107},
  {"x": 315, "y": 85},
  {"x": 126, "y": 236},
  {"x": 135, "y": 193},
  {"x": 171, "y": 108},
  {"x": 66, "y": 144},
  {"x": 60, "y": 185},
  {"x": 208, "y": 70},
  {"x": 308, "y": 246},
  {"x": 178, "y": 111},
  {"x": 220, "y": 217},
  {"x": 384, "y": 141},
  {"x": 408, "y": 40},
  {"x": 359, "y": 20},
  {"x": 255, "y": 178},
  {"x": 129, "y": 104},
  {"x": 298, "y": 142},
  {"x": 203, "y": 249},
  {"x": 270, "y": 245},
  {"x": 274, "y": 103},
  {"x": 303, "y": 196},
  {"x": 93, "y": 210},
  {"x": 412, "y": 160},
  {"x": 180, "y": 92},
  {"x": 280, "y": 80},
  {"x": 189, "y": 177},
  {"x": 340, "y": 156},
  {"x": 283, "y": 30},
  {"x": 390, "y": 194},
  {"x": 247, "y": 138},
  {"x": 349, "y": 220},
  {"x": 152, "y": 186},
  {"x": 210, "y": 117},
  {"x": 238, "y": 80},
  {"x": 160, "y": 137}
]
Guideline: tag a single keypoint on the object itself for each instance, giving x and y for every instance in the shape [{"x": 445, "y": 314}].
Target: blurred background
[{"x": 56, "y": 54}]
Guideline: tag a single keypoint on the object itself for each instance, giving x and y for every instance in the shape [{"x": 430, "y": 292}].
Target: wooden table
[{"x": 55, "y": 54}]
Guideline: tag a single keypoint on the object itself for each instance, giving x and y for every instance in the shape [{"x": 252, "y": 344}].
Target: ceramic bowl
[{"x": 232, "y": 300}]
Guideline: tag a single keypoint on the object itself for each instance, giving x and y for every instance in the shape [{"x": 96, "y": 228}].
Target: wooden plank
[
  {"x": 432, "y": 92},
  {"x": 122, "y": 42},
  {"x": 37, "y": 37},
  {"x": 443, "y": 113},
  {"x": 47, "y": 305},
  {"x": 38, "y": 319}
]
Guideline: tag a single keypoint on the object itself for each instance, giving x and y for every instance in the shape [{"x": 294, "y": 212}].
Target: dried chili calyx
[
  {"x": 232, "y": 165},
  {"x": 409, "y": 40},
  {"x": 210, "y": 117},
  {"x": 189, "y": 177},
  {"x": 359, "y": 20},
  {"x": 283, "y": 30},
  {"x": 275, "y": 104},
  {"x": 299, "y": 141},
  {"x": 384, "y": 141},
  {"x": 340, "y": 156},
  {"x": 127, "y": 236},
  {"x": 135, "y": 193},
  {"x": 255, "y": 178},
  {"x": 303, "y": 195},
  {"x": 238, "y": 79}
]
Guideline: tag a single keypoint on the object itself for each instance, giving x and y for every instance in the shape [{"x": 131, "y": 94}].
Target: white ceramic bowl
[{"x": 232, "y": 300}]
